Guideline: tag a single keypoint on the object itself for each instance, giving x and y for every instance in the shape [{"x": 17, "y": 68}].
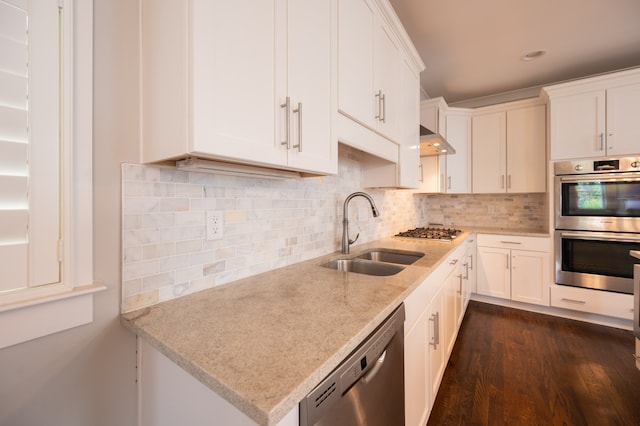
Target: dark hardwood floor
[{"x": 511, "y": 367}]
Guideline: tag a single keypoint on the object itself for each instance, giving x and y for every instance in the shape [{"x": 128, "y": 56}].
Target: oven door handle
[
  {"x": 597, "y": 236},
  {"x": 623, "y": 177}
]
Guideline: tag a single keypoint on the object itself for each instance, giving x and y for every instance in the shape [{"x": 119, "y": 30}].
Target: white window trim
[{"x": 41, "y": 311}]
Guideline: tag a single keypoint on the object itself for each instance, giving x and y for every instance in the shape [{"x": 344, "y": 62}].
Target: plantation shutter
[{"x": 30, "y": 143}]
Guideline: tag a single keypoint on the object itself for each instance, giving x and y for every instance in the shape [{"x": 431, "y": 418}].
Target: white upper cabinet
[
  {"x": 378, "y": 98},
  {"x": 623, "y": 125},
  {"x": 526, "y": 149},
  {"x": 409, "y": 155},
  {"x": 595, "y": 117},
  {"x": 489, "y": 153},
  {"x": 356, "y": 20},
  {"x": 368, "y": 68},
  {"x": 447, "y": 173},
  {"x": 236, "y": 81},
  {"x": 509, "y": 149},
  {"x": 458, "y": 165},
  {"x": 386, "y": 81}
]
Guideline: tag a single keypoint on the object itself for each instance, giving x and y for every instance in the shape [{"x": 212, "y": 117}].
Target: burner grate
[{"x": 430, "y": 233}]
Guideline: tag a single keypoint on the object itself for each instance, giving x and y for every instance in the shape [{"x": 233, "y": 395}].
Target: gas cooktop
[{"x": 431, "y": 233}]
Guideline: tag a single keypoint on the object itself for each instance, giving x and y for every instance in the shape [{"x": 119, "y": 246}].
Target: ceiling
[{"x": 473, "y": 49}]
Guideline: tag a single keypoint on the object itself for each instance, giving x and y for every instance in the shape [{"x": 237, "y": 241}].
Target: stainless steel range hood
[{"x": 432, "y": 143}]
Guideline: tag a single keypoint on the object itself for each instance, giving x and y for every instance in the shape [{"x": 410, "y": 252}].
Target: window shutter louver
[{"x": 30, "y": 197}]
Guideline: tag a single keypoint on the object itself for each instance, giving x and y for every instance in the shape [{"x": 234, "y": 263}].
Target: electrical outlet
[{"x": 215, "y": 224}]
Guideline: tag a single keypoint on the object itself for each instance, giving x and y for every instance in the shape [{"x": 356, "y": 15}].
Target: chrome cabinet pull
[
  {"x": 435, "y": 340},
  {"x": 471, "y": 262},
  {"x": 578, "y": 302},
  {"x": 384, "y": 109},
  {"x": 379, "y": 97},
  {"x": 453, "y": 262},
  {"x": 421, "y": 170},
  {"x": 510, "y": 242},
  {"x": 299, "y": 112},
  {"x": 601, "y": 141},
  {"x": 449, "y": 184},
  {"x": 466, "y": 267},
  {"x": 460, "y": 284},
  {"x": 287, "y": 107}
]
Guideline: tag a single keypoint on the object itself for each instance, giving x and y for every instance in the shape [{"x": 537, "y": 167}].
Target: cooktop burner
[{"x": 435, "y": 233}]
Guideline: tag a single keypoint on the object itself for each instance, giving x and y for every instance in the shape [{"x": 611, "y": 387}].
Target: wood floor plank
[{"x": 512, "y": 367}]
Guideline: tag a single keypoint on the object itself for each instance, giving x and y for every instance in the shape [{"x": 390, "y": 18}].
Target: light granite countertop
[{"x": 264, "y": 342}]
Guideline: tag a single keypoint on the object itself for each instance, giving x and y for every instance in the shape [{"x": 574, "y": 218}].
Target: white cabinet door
[
  {"x": 529, "y": 274},
  {"x": 436, "y": 343},
  {"x": 489, "y": 142},
  {"x": 458, "y": 168},
  {"x": 356, "y": 20},
  {"x": 623, "y": 125},
  {"x": 416, "y": 374},
  {"x": 429, "y": 172},
  {"x": 526, "y": 150},
  {"x": 450, "y": 297},
  {"x": 310, "y": 85},
  {"x": 577, "y": 125},
  {"x": 386, "y": 74},
  {"x": 494, "y": 273},
  {"x": 471, "y": 264},
  {"x": 409, "y": 154},
  {"x": 235, "y": 108}
]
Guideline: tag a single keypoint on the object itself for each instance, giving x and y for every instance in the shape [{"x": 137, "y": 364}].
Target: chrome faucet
[{"x": 346, "y": 242}]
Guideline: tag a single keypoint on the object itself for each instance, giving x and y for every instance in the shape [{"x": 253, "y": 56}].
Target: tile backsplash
[
  {"x": 523, "y": 212},
  {"x": 270, "y": 223}
]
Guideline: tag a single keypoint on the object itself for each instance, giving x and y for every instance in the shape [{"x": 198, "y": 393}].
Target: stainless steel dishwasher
[{"x": 367, "y": 388}]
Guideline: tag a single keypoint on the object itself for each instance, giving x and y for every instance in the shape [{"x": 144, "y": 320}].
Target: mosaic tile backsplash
[{"x": 268, "y": 223}]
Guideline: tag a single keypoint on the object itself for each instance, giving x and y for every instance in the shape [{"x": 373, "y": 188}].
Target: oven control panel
[{"x": 599, "y": 165}]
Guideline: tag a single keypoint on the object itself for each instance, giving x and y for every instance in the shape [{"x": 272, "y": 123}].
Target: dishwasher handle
[{"x": 374, "y": 371}]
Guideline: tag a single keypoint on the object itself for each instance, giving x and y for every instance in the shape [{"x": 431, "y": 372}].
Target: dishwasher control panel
[{"x": 358, "y": 367}]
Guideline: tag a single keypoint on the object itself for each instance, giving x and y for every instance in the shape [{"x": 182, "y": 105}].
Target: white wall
[{"x": 86, "y": 376}]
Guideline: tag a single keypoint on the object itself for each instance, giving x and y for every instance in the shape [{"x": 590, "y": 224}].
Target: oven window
[
  {"x": 592, "y": 198},
  {"x": 609, "y": 258}
]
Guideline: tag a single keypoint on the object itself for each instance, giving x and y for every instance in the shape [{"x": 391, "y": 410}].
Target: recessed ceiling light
[{"x": 533, "y": 55}]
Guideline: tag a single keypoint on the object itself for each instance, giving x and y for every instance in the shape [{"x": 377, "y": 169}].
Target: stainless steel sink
[
  {"x": 392, "y": 256},
  {"x": 367, "y": 267}
]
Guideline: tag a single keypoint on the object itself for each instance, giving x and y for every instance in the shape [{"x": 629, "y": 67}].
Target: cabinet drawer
[
  {"x": 592, "y": 301},
  {"x": 514, "y": 242}
]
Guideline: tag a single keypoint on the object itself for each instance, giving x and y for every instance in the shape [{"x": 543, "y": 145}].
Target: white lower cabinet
[
  {"x": 416, "y": 361},
  {"x": 514, "y": 267},
  {"x": 433, "y": 313},
  {"x": 599, "y": 302},
  {"x": 436, "y": 355}
]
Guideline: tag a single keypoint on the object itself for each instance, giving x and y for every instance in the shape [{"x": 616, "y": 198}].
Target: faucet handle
[{"x": 355, "y": 239}]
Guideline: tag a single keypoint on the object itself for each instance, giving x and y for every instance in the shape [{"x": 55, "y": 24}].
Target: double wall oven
[{"x": 597, "y": 222}]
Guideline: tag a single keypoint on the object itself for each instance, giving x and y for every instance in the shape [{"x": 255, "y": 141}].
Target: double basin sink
[{"x": 378, "y": 262}]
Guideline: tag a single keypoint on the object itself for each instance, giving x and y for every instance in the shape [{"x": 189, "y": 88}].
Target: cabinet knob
[{"x": 578, "y": 167}]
